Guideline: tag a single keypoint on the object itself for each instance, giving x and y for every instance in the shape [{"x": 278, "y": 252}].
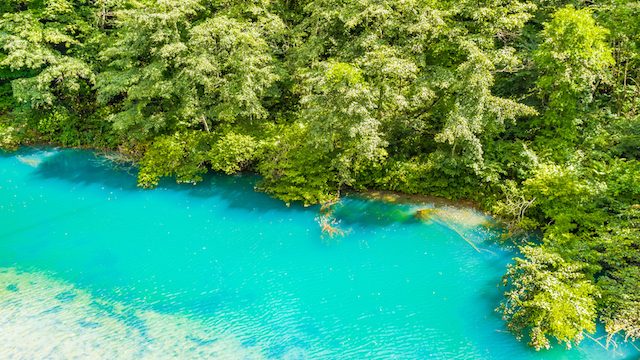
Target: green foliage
[
  {"x": 572, "y": 58},
  {"x": 233, "y": 152},
  {"x": 338, "y": 109},
  {"x": 180, "y": 71},
  {"x": 514, "y": 207},
  {"x": 620, "y": 18},
  {"x": 474, "y": 111},
  {"x": 9, "y": 137},
  {"x": 180, "y": 155},
  {"x": 429, "y": 75},
  {"x": 188, "y": 155},
  {"x": 47, "y": 38},
  {"x": 7, "y": 102},
  {"x": 560, "y": 188},
  {"x": 620, "y": 284},
  {"x": 296, "y": 171},
  {"x": 548, "y": 297}
]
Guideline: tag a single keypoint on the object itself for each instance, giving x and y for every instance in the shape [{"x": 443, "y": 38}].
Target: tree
[
  {"x": 180, "y": 71},
  {"x": 339, "y": 109},
  {"x": 572, "y": 59},
  {"x": 46, "y": 41},
  {"x": 548, "y": 297},
  {"x": 429, "y": 74}
]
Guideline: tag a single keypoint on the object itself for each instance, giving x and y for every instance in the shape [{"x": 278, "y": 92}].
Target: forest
[{"x": 530, "y": 108}]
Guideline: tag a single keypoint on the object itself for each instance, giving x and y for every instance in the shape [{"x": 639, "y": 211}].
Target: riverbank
[
  {"x": 403, "y": 198},
  {"x": 126, "y": 157}
]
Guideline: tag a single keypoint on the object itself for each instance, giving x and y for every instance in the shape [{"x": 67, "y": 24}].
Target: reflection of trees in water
[
  {"x": 89, "y": 168},
  {"x": 467, "y": 224},
  {"x": 357, "y": 211}
]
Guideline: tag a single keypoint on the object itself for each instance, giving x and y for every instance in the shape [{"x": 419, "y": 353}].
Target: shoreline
[
  {"x": 398, "y": 197},
  {"x": 389, "y": 196}
]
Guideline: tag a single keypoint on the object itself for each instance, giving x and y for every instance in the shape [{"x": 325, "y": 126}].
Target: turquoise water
[{"x": 93, "y": 267}]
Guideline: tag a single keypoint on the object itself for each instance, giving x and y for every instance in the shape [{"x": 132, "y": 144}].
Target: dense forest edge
[{"x": 530, "y": 108}]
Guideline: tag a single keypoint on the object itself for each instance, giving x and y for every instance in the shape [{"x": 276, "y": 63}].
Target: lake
[{"x": 93, "y": 267}]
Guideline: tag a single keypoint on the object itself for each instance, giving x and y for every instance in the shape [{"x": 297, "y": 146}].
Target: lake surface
[{"x": 91, "y": 266}]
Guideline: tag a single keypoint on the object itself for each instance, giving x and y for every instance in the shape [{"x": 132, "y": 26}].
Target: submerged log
[
  {"x": 329, "y": 226},
  {"x": 425, "y": 214}
]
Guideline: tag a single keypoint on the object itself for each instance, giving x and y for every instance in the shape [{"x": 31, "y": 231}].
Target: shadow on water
[
  {"x": 85, "y": 167},
  {"x": 238, "y": 191},
  {"x": 364, "y": 212}
]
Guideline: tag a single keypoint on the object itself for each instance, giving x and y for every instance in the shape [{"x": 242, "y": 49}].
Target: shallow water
[{"x": 93, "y": 267}]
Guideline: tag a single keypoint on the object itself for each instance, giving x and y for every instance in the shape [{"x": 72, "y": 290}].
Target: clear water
[{"x": 92, "y": 267}]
